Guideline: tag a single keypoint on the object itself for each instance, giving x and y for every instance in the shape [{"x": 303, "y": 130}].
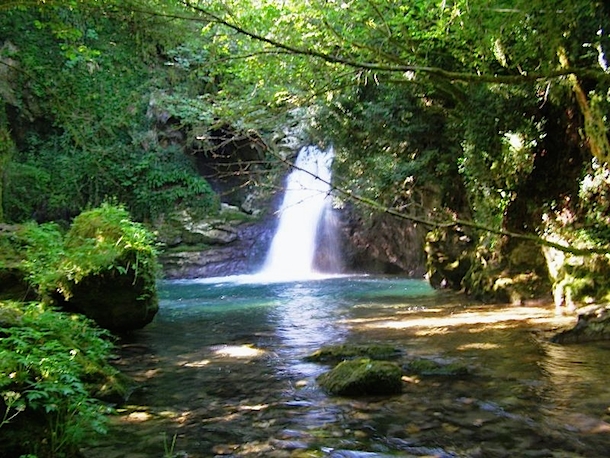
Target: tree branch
[
  {"x": 381, "y": 67},
  {"x": 578, "y": 251}
]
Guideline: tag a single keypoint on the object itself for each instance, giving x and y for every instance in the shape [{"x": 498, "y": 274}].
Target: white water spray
[{"x": 293, "y": 248}]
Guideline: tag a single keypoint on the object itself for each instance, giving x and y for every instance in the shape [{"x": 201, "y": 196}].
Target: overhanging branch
[
  {"x": 578, "y": 251},
  {"x": 395, "y": 68}
]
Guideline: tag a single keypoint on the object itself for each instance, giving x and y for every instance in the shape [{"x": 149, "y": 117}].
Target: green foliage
[
  {"x": 498, "y": 136},
  {"x": 594, "y": 205},
  {"x": 105, "y": 238},
  {"x": 26, "y": 191},
  {"x": 42, "y": 249},
  {"x": 93, "y": 139},
  {"x": 6, "y": 152},
  {"x": 51, "y": 365},
  {"x": 102, "y": 240},
  {"x": 391, "y": 134}
]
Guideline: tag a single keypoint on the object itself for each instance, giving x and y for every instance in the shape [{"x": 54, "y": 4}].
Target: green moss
[
  {"x": 422, "y": 366},
  {"x": 362, "y": 377},
  {"x": 335, "y": 353}
]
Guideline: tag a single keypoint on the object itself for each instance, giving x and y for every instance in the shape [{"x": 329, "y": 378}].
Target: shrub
[{"x": 51, "y": 366}]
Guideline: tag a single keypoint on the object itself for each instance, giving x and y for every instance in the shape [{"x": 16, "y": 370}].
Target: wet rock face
[
  {"x": 242, "y": 255},
  {"x": 362, "y": 377},
  {"x": 384, "y": 244}
]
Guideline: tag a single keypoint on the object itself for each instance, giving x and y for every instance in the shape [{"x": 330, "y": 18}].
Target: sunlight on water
[{"x": 224, "y": 370}]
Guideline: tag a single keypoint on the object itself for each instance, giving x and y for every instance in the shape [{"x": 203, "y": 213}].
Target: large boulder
[
  {"x": 109, "y": 271},
  {"x": 362, "y": 377}
]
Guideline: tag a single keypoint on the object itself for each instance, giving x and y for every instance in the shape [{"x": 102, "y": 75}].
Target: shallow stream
[{"x": 220, "y": 372}]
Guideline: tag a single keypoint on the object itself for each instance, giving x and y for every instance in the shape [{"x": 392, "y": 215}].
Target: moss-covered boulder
[
  {"x": 109, "y": 271},
  {"x": 362, "y": 377},
  {"x": 337, "y": 353},
  {"x": 429, "y": 367},
  {"x": 104, "y": 267}
]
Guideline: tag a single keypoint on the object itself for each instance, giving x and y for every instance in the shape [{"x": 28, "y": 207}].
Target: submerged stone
[
  {"x": 336, "y": 353},
  {"x": 422, "y": 366},
  {"x": 362, "y": 377}
]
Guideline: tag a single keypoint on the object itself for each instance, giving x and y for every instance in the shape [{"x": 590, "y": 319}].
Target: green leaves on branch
[
  {"x": 92, "y": 139},
  {"x": 51, "y": 366}
]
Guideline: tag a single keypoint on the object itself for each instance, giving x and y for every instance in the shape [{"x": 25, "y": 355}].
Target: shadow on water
[{"x": 221, "y": 372}]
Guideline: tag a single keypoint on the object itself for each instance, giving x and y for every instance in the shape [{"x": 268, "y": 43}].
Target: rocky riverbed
[{"x": 222, "y": 372}]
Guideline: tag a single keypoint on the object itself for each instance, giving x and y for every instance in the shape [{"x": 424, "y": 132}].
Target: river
[{"x": 220, "y": 372}]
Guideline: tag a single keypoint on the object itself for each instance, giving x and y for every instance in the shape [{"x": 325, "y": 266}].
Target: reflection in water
[
  {"x": 573, "y": 394},
  {"x": 305, "y": 320},
  {"x": 221, "y": 369}
]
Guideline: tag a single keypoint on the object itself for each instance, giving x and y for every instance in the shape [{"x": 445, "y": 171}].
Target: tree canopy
[{"x": 452, "y": 112}]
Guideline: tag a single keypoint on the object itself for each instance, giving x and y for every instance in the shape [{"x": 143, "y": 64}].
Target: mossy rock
[
  {"x": 115, "y": 300},
  {"x": 362, "y": 377},
  {"x": 109, "y": 271},
  {"x": 429, "y": 367},
  {"x": 593, "y": 325},
  {"x": 336, "y": 353}
]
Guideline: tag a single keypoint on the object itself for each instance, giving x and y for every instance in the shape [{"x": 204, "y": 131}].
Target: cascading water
[{"x": 307, "y": 197}]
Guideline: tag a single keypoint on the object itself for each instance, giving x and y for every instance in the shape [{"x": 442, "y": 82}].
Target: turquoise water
[{"x": 220, "y": 371}]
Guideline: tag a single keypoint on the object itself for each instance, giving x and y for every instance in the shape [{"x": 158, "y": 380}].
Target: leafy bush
[
  {"x": 105, "y": 239},
  {"x": 92, "y": 138},
  {"x": 41, "y": 248},
  {"x": 51, "y": 366}
]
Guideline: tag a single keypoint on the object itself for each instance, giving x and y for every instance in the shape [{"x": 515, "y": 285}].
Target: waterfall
[{"x": 305, "y": 203}]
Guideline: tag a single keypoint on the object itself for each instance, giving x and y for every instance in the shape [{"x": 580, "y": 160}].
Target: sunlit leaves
[{"x": 47, "y": 359}]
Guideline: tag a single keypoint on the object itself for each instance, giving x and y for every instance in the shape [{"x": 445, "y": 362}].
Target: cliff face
[
  {"x": 383, "y": 244},
  {"x": 244, "y": 254},
  {"x": 346, "y": 243}
]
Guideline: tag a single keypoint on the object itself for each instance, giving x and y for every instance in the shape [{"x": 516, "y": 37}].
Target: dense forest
[{"x": 485, "y": 123}]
